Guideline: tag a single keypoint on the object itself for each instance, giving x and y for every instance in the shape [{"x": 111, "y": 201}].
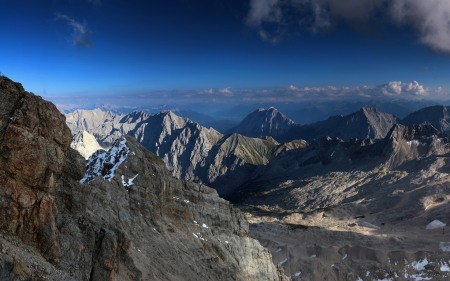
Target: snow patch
[
  {"x": 419, "y": 277},
  {"x": 105, "y": 164},
  {"x": 444, "y": 246},
  {"x": 413, "y": 142},
  {"x": 204, "y": 226},
  {"x": 444, "y": 267},
  {"x": 198, "y": 235},
  {"x": 436, "y": 224},
  {"x": 420, "y": 265},
  {"x": 129, "y": 182}
]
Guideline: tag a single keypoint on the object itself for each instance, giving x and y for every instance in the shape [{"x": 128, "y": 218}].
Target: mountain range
[
  {"x": 121, "y": 215},
  {"x": 362, "y": 196},
  {"x": 336, "y": 206},
  {"x": 438, "y": 116},
  {"x": 190, "y": 151},
  {"x": 363, "y": 124}
]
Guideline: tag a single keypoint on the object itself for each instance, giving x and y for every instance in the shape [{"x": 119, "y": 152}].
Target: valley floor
[{"x": 334, "y": 245}]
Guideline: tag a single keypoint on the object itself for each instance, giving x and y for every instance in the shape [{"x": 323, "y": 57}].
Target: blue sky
[{"x": 92, "y": 50}]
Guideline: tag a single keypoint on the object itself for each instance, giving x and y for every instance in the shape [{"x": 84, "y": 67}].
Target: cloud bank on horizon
[
  {"x": 429, "y": 18},
  {"x": 292, "y": 94}
]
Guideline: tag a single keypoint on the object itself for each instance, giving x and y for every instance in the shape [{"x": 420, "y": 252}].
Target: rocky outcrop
[
  {"x": 85, "y": 144},
  {"x": 33, "y": 141},
  {"x": 264, "y": 122},
  {"x": 365, "y": 123},
  {"x": 153, "y": 227}
]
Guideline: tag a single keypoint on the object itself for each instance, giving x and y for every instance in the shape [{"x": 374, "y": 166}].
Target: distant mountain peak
[
  {"x": 367, "y": 122},
  {"x": 438, "y": 116},
  {"x": 264, "y": 122}
]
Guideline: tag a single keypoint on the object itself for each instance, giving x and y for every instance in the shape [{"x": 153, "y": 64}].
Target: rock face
[
  {"x": 438, "y": 116},
  {"x": 264, "y": 122},
  {"x": 181, "y": 143},
  {"x": 85, "y": 144},
  {"x": 33, "y": 143},
  {"x": 365, "y": 123},
  {"x": 134, "y": 221},
  {"x": 233, "y": 160}
]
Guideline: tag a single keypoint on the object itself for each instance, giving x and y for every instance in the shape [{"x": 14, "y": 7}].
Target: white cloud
[
  {"x": 293, "y": 88},
  {"x": 79, "y": 31},
  {"x": 392, "y": 90},
  {"x": 396, "y": 88},
  {"x": 226, "y": 92},
  {"x": 429, "y": 18}
]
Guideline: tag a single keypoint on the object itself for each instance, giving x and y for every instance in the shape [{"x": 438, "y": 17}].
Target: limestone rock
[
  {"x": 264, "y": 122},
  {"x": 156, "y": 227},
  {"x": 33, "y": 141},
  {"x": 85, "y": 144}
]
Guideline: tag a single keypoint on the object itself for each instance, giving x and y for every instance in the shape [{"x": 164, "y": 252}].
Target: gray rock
[
  {"x": 264, "y": 122},
  {"x": 155, "y": 228}
]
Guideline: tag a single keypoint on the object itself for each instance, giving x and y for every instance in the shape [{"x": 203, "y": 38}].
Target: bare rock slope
[
  {"x": 132, "y": 220},
  {"x": 365, "y": 123},
  {"x": 356, "y": 210},
  {"x": 438, "y": 116}
]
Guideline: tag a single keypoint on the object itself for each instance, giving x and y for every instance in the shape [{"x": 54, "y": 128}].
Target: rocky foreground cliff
[{"x": 132, "y": 220}]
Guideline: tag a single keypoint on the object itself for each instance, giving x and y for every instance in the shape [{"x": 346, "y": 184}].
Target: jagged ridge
[{"x": 159, "y": 228}]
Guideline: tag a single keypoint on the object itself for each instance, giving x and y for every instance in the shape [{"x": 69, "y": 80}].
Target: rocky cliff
[{"x": 132, "y": 220}]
